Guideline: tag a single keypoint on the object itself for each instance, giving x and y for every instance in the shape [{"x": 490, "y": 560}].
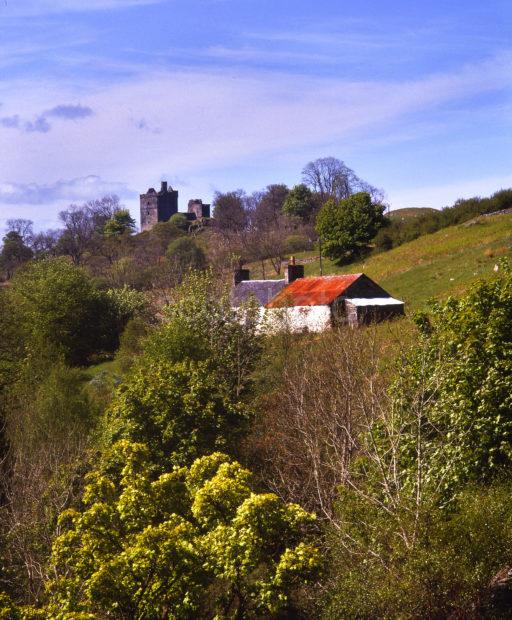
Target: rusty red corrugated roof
[{"x": 314, "y": 291}]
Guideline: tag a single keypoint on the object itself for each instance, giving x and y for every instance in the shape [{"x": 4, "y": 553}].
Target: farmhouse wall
[{"x": 297, "y": 319}]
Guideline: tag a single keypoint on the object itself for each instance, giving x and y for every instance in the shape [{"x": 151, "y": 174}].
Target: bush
[
  {"x": 180, "y": 221},
  {"x": 59, "y": 309},
  {"x": 197, "y": 541},
  {"x": 447, "y": 569},
  {"x": 461, "y": 211},
  {"x": 185, "y": 254}
]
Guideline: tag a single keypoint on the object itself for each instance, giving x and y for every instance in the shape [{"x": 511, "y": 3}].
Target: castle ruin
[
  {"x": 157, "y": 206},
  {"x": 161, "y": 206}
]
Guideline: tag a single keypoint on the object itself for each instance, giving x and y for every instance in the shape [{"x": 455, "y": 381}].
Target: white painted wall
[{"x": 296, "y": 319}]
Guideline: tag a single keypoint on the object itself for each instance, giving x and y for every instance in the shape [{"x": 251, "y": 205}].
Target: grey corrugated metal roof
[{"x": 261, "y": 290}]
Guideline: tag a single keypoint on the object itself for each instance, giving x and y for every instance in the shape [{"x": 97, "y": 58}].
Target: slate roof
[
  {"x": 261, "y": 290},
  {"x": 316, "y": 291}
]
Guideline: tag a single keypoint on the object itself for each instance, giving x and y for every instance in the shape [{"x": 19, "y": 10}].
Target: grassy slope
[
  {"x": 436, "y": 265},
  {"x": 409, "y": 212}
]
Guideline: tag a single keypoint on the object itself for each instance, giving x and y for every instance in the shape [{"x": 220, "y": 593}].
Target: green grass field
[{"x": 433, "y": 266}]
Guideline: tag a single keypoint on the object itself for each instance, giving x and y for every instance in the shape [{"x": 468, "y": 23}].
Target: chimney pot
[{"x": 164, "y": 186}]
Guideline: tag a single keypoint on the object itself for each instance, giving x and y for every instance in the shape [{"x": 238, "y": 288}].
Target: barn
[{"x": 319, "y": 303}]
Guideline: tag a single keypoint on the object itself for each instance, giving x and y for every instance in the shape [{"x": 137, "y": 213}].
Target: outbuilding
[{"x": 318, "y": 303}]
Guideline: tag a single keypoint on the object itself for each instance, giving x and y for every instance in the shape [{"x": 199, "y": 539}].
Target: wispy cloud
[
  {"x": 143, "y": 125},
  {"x": 70, "y": 112},
  {"x": 78, "y": 189},
  {"x": 11, "y": 122},
  {"x": 41, "y": 123},
  {"x": 210, "y": 122}
]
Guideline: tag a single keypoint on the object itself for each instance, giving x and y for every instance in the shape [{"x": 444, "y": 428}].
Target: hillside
[
  {"x": 409, "y": 213},
  {"x": 436, "y": 265}
]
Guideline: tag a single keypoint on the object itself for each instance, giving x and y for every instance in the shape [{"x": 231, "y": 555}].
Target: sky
[{"x": 113, "y": 96}]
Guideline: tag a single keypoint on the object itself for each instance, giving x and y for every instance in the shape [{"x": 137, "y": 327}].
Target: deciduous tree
[{"x": 346, "y": 227}]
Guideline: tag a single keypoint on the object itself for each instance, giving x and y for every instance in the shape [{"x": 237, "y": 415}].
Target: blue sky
[{"x": 103, "y": 96}]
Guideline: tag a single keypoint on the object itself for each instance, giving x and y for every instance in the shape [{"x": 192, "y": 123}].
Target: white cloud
[{"x": 209, "y": 120}]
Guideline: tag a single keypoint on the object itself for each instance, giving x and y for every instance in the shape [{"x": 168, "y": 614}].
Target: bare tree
[
  {"x": 44, "y": 243},
  {"x": 24, "y": 228},
  {"x": 83, "y": 226},
  {"x": 332, "y": 178},
  {"x": 331, "y": 388}
]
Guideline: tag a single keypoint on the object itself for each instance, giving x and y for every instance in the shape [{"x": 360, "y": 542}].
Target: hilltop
[
  {"x": 409, "y": 212},
  {"x": 436, "y": 265}
]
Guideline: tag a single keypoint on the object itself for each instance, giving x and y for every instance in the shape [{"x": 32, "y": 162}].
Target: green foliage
[
  {"x": 126, "y": 303},
  {"x": 408, "y": 229},
  {"x": 447, "y": 570},
  {"x": 119, "y": 224},
  {"x": 464, "y": 366},
  {"x": 185, "y": 395},
  {"x": 58, "y": 308},
  {"x": 191, "y": 542},
  {"x": 14, "y": 253},
  {"x": 49, "y": 423},
  {"x": 11, "y": 342},
  {"x": 178, "y": 408},
  {"x": 130, "y": 344},
  {"x": 185, "y": 254},
  {"x": 412, "y": 514},
  {"x": 346, "y": 227},
  {"x": 201, "y": 317},
  {"x": 300, "y": 202},
  {"x": 180, "y": 221}
]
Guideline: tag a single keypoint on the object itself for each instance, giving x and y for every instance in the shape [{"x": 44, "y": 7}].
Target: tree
[
  {"x": 194, "y": 542},
  {"x": 23, "y": 227},
  {"x": 184, "y": 395},
  {"x": 120, "y": 223},
  {"x": 325, "y": 393},
  {"x": 14, "y": 253},
  {"x": 346, "y": 227},
  {"x": 178, "y": 408},
  {"x": 78, "y": 232},
  {"x": 229, "y": 212},
  {"x": 465, "y": 353},
  {"x": 426, "y": 501},
  {"x": 300, "y": 202},
  {"x": 84, "y": 226},
  {"x": 332, "y": 178},
  {"x": 59, "y": 309},
  {"x": 185, "y": 254},
  {"x": 272, "y": 199},
  {"x": 44, "y": 244}
]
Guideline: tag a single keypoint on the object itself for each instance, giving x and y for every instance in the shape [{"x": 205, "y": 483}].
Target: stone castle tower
[{"x": 157, "y": 206}]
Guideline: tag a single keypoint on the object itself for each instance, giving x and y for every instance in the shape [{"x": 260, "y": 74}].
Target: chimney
[
  {"x": 164, "y": 187},
  {"x": 240, "y": 275},
  {"x": 293, "y": 272}
]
